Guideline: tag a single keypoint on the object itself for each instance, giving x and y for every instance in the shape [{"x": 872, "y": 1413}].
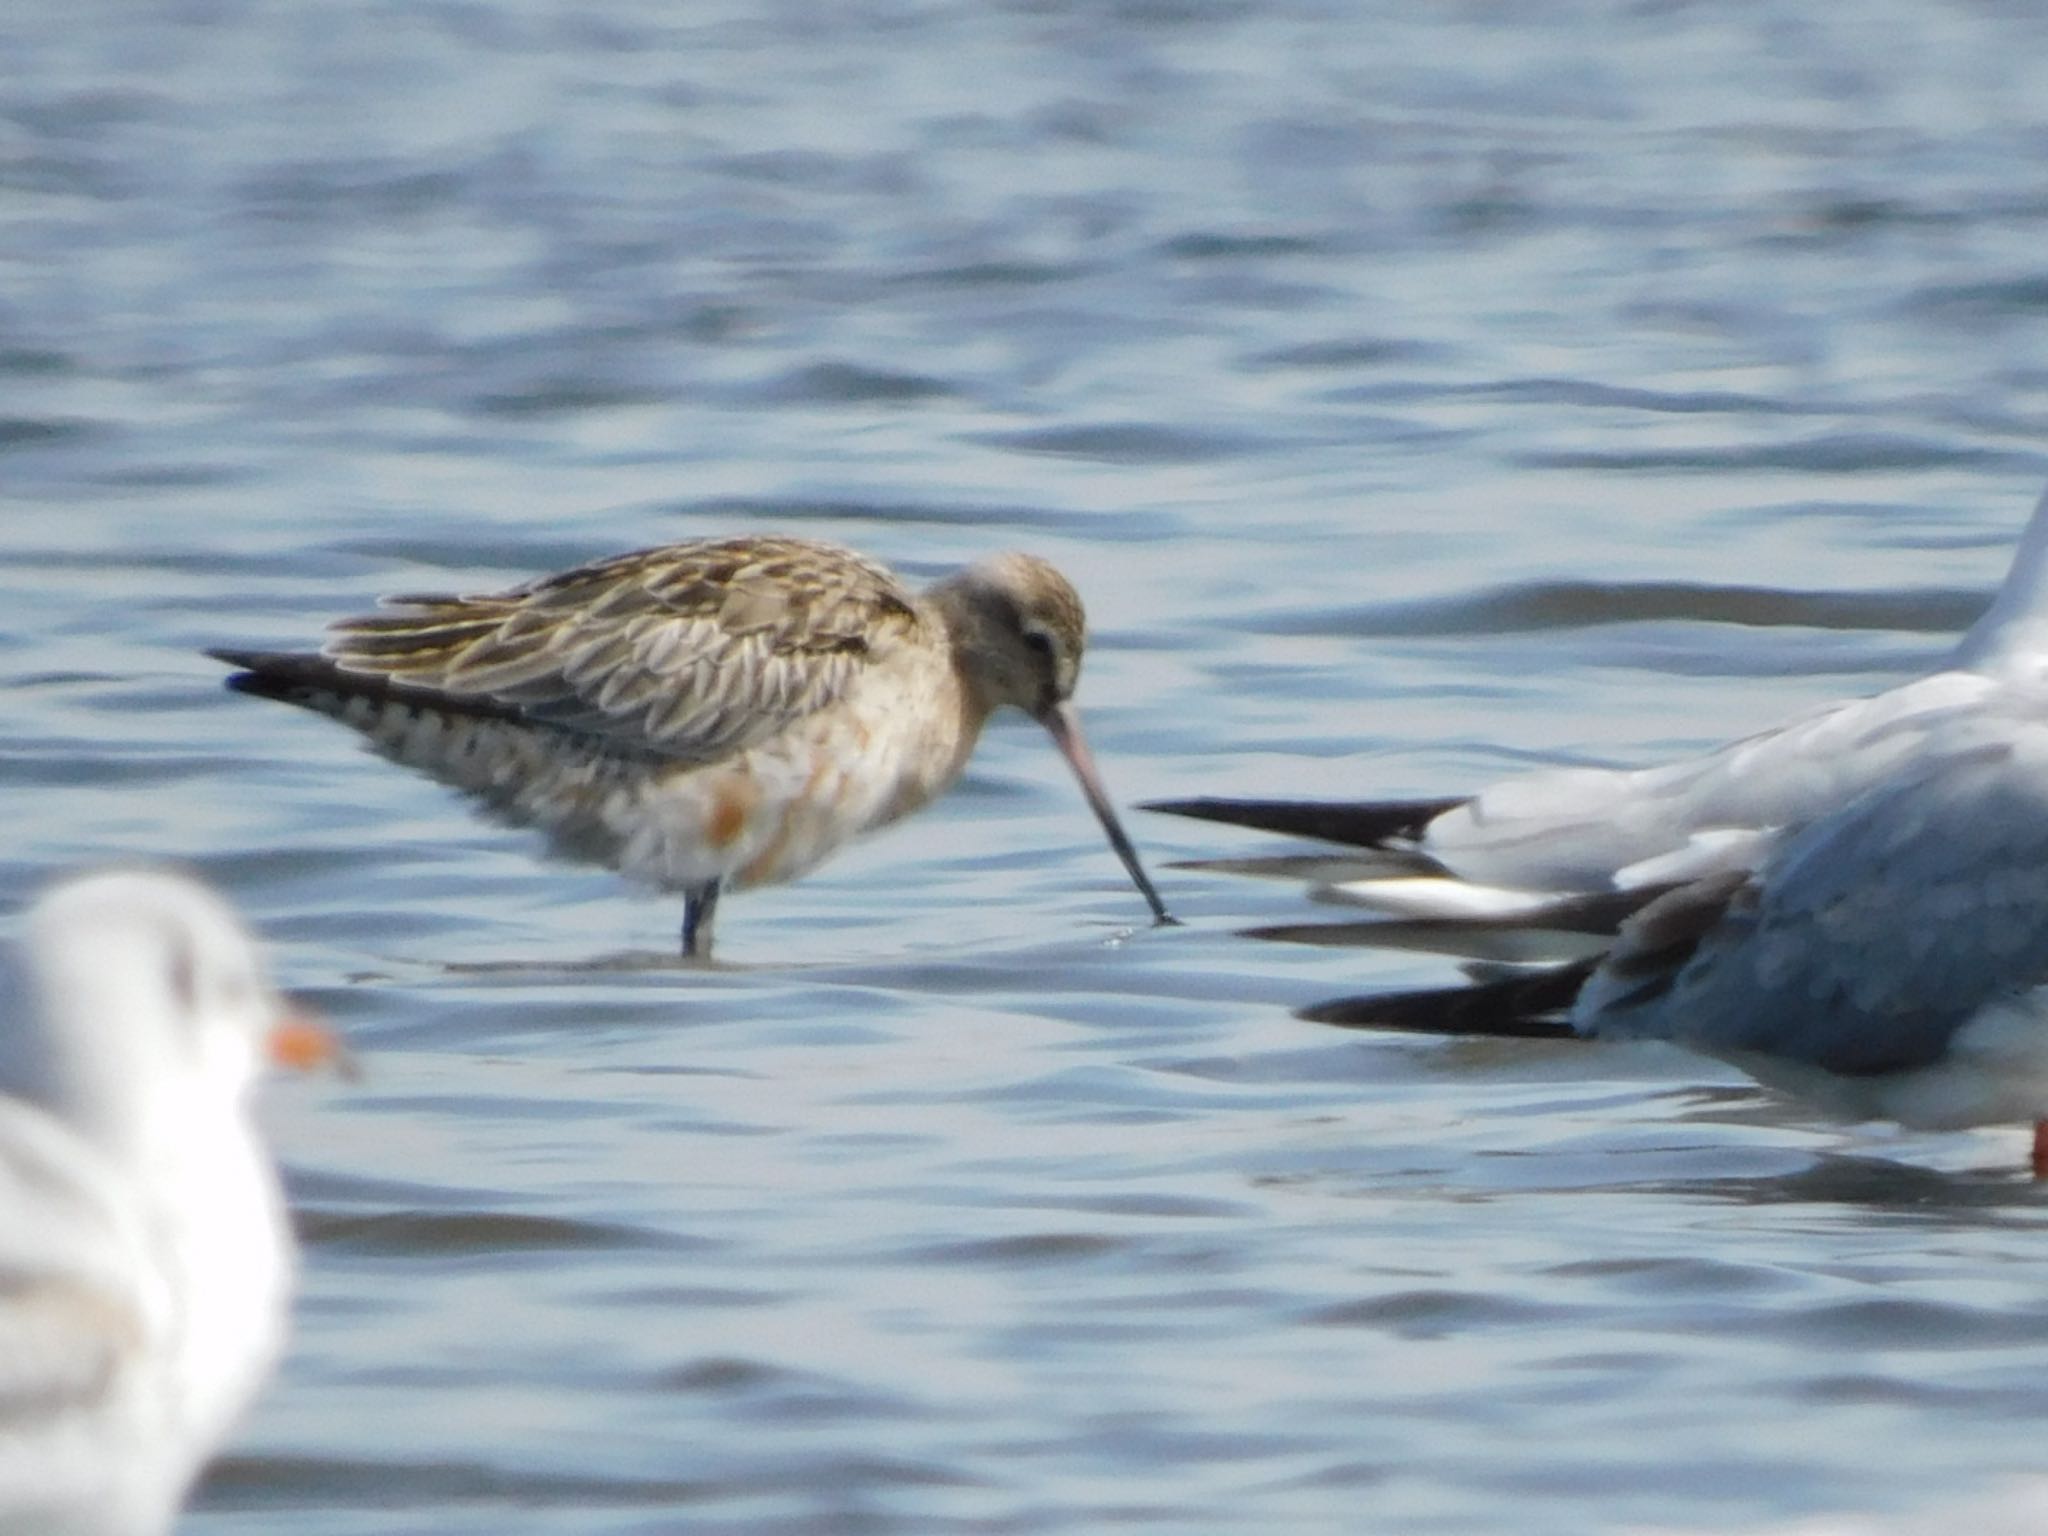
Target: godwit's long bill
[
  {"x": 1872, "y": 804},
  {"x": 142, "y": 1231},
  {"x": 722, "y": 712}
]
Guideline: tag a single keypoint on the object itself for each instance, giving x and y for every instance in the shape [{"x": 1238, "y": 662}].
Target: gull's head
[
  {"x": 152, "y": 1002},
  {"x": 1018, "y": 631}
]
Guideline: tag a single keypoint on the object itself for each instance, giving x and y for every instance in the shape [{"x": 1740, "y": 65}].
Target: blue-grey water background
[{"x": 1415, "y": 393}]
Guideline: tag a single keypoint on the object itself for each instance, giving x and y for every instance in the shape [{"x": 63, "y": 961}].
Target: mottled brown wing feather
[{"x": 691, "y": 650}]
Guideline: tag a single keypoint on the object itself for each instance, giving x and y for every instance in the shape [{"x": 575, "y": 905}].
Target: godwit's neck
[
  {"x": 974, "y": 642},
  {"x": 2014, "y": 629}
]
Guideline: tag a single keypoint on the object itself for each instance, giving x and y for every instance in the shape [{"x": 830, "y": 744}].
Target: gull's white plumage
[
  {"x": 1853, "y": 907},
  {"x": 1887, "y": 959},
  {"x": 144, "y": 1258}
]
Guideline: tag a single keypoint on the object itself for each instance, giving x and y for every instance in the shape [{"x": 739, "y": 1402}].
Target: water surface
[{"x": 1416, "y": 394}]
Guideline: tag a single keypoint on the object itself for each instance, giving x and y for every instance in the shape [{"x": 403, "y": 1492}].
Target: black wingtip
[
  {"x": 1359, "y": 823},
  {"x": 1521, "y": 1007}
]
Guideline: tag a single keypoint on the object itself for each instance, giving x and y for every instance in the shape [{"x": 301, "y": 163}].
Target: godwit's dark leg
[
  {"x": 2041, "y": 1149},
  {"x": 700, "y": 905}
]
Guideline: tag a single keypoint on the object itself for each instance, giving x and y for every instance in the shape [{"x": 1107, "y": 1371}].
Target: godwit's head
[{"x": 1018, "y": 633}]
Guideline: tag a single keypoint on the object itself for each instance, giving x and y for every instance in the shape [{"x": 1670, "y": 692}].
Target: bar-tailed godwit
[{"x": 721, "y": 712}]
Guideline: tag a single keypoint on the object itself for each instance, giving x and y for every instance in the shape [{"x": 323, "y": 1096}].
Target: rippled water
[{"x": 1415, "y": 393}]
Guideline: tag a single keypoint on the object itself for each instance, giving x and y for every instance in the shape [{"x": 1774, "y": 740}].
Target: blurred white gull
[
  {"x": 1887, "y": 960},
  {"x": 1575, "y": 849},
  {"x": 144, "y": 1258}
]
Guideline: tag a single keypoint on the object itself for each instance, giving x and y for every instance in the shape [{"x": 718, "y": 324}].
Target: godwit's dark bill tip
[
  {"x": 1064, "y": 726},
  {"x": 1161, "y": 918}
]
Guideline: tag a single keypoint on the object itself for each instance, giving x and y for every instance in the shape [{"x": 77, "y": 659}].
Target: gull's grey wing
[
  {"x": 76, "y": 1307},
  {"x": 691, "y": 651},
  {"x": 1565, "y": 829},
  {"x": 1867, "y": 938}
]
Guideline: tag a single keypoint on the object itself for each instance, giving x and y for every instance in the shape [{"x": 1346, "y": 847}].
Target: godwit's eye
[{"x": 1039, "y": 643}]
